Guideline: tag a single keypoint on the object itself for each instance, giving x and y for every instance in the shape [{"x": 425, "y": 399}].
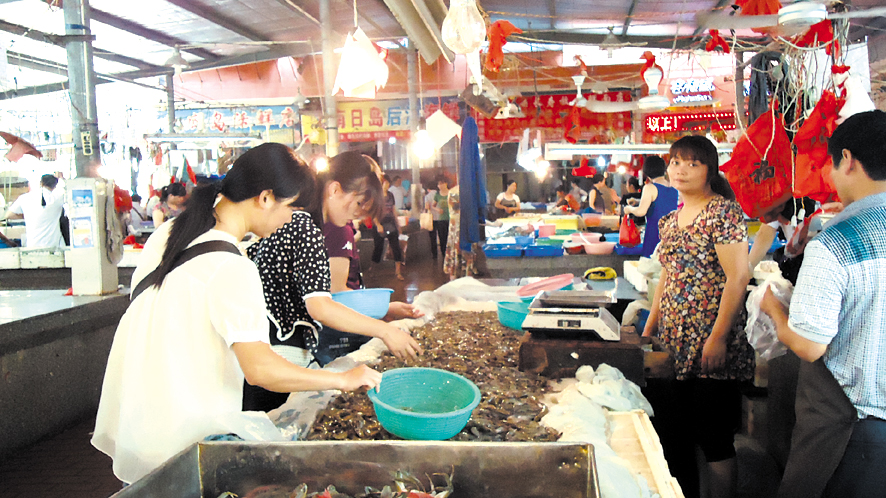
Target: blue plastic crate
[
  {"x": 543, "y": 251},
  {"x": 523, "y": 241},
  {"x": 502, "y": 251}
]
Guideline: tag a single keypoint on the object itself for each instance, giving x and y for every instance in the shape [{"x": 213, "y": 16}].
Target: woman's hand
[
  {"x": 401, "y": 344},
  {"x": 358, "y": 377},
  {"x": 398, "y": 310},
  {"x": 713, "y": 356}
]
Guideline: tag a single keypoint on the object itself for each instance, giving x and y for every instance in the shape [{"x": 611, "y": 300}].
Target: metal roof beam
[
  {"x": 547, "y": 36},
  {"x": 58, "y": 40},
  {"x": 216, "y": 18},
  {"x": 150, "y": 34},
  {"x": 721, "y": 4},
  {"x": 37, "y": 64},
  {"x": 624, "y": 28}
]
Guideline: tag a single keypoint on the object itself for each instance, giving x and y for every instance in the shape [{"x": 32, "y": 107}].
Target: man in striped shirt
[{"x": 837, "y": 319}]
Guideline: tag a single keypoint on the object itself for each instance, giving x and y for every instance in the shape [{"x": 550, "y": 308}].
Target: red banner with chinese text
[{"x": 551, "y": 115}]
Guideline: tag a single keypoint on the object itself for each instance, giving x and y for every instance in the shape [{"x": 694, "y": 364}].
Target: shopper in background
[
  {"x": 184, "y": 346},
  {"x": 42, "y": 209},
  {"x": 457, "y": 263},
  {"x": 440, "y": 209},
  {"x": 387, "y": 227},
  {"x": 836, "y": 323},
  {"x": 602, "y": 198},
  {"x": 401, "y": 196},
  {"x": 427, "y": 207},
  {"x": 697, "y": 312},
  {"x": 656, "y": 200},
  {"x": 172, "y": 203},
  {"x": 507, "y": 202},
  {"x": 577, "y": 192}
]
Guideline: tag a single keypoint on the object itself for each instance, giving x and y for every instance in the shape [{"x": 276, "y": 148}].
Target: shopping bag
[
  {"x": 628, "y": 234},
  {"x": 426, "y": 221}
]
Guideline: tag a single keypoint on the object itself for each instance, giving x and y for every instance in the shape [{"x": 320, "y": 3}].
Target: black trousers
[
  {"x": 441, "y": 233},
  {"x": 393, "y": 239}
]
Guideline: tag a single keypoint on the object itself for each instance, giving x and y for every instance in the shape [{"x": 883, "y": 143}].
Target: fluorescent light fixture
[{"x": 561, "y": 151}]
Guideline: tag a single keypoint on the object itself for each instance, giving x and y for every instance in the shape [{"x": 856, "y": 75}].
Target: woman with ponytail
[
  {"x": 697, "y": 311},
  {"x": 197, "y": 325},
  {"x": 294, "y": 269}
]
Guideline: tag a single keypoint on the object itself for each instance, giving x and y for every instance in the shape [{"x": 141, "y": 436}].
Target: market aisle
[{"x": 67, "y": 466}]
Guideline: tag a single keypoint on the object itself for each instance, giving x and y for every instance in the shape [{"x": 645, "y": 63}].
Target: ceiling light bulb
[
  {"x": 177, "y": 62},
  {"x": 463, "y": 28},
  {"x": 423, "y": 145}
]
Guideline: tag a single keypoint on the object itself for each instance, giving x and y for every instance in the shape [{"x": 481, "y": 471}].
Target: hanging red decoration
[
  {"x": 572, "y": 126},
  {"x": 813, "y": 163},
  {"x": 716, "y": 41},
  {"x": 581, "y": 63},
  {"x": 584, "y": 169},
  {"x": 759, "y": 8},
  {"x": 760, "y": 169},
  {"x": 819, "y": 34},
  {"x": 649, "y": 57},
  {"x": 498, "y": 33}
]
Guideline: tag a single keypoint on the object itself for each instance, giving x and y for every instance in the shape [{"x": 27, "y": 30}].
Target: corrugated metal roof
[{"x": 136, "y": 38}]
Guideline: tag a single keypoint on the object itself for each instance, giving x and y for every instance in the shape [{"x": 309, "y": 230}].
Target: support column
[
  {"x": 740, "y": 120},
  {"x": 170, "y": 101},
  {"x": 330, "y": 116},
  {"x": 413, "y": 162},
  {"x": 81, "y": 84}
]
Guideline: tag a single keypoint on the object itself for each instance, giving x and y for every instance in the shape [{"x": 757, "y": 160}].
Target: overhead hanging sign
[
  {"x": 371, "y": 120},
  {"x": 667, "y": 123}
]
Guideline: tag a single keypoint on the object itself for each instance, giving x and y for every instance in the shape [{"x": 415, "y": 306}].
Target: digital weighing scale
[{"x": 573, "y": 315}]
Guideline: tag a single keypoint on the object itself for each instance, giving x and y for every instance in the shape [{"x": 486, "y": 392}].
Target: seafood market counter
[
  {"x": 516, "y": 406},
  {"x": 542, "y": 266}
]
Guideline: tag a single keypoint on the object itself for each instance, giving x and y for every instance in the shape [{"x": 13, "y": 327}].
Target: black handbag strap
[{"x": 182, "y": 258}]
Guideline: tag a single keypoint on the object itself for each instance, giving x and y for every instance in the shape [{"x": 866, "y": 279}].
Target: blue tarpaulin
[{"x": 472, "y": 185}]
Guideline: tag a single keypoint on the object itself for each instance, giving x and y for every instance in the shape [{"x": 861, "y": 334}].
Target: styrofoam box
[
  {"x": 10, "y": 259},
  {"x": 634, "y": 277},
  {"x": 130, "y": 257},
  {"x": 634, "y": 439},
  {"x": 43, "y": 258}
]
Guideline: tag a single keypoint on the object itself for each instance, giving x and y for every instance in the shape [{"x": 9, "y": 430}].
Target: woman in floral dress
[
  {"x": 457, "y": 263},
  {"x": 697, "y": 312}
]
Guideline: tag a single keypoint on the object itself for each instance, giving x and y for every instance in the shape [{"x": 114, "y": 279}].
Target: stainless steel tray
[
  {"x": 583, "y": 299},
  {"x": 515, "y": 470}
]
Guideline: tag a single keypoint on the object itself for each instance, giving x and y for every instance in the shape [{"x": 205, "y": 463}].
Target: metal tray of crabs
[{"x": 373, "y": 469}]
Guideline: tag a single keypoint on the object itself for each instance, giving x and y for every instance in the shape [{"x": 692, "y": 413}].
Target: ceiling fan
[{"x": 791, "y": 19}]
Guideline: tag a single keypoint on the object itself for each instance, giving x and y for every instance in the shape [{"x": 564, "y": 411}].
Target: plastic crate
[
  {"x": 502, "y": 251},
  {"x": 543, "y": 250}
]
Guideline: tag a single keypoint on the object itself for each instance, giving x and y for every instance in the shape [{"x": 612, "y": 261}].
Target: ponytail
[{"x": 270, "y": 166}]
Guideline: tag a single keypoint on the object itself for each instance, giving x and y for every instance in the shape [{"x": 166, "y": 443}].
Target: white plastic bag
[{"x": 760, "y": 329}]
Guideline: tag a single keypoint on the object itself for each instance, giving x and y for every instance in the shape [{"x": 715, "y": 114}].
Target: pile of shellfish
[{"x": 471, "y": 344}]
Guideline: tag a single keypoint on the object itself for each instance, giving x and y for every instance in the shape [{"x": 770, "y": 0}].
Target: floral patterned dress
[
  {"x": 690, "y": 301},
  {"x": 456, "y": 263}
]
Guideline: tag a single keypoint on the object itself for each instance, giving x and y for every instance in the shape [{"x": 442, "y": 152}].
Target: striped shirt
[{"x": 840, "y": 300}]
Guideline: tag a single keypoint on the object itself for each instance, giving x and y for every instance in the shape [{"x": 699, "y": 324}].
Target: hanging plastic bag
[
  {"x": 760, "y": 170},
  {"x": 628, "y": 234},
  {"x": 760, "y": 329},
  {"x": 426, "y": 221}
]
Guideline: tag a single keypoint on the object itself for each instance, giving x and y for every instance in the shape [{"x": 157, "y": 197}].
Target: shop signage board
[
  {"x": 236, "y": 119},
  {"x": 551, "y": 115},
  {"x": 372, "y": 120},
  {"x": 677, "y": 122}
]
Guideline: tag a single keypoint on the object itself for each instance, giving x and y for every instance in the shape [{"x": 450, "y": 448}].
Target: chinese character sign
[{"x": 237, "y": 120}]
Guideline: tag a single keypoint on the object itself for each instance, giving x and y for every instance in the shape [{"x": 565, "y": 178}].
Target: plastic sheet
[{"x": 760, "y": 329}]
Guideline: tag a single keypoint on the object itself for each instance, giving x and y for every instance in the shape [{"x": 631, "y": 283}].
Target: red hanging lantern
[
  {"x": 498, "y": 33},
  {"x": 813, "y": 163}
]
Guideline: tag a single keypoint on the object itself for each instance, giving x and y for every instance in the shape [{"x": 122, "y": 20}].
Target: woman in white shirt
[
  {"x": 507, "y": 202},
  {"x": 182, "y": 350}
]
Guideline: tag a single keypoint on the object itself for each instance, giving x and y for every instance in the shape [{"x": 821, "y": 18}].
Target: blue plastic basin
[
  {"x": 424, "y": 403},
  {"x": 512, "y": 314},
  {"x": 370, "y": 302}
]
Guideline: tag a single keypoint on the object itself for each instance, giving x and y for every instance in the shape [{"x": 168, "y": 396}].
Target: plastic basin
[
  {"x": 370, "y": 302},
  {"x": 512, "y": 314},
  {"x": 600, "y": 248},
  {"x": 424, "y": 403},
  {"x": 547, "y": 230}
]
